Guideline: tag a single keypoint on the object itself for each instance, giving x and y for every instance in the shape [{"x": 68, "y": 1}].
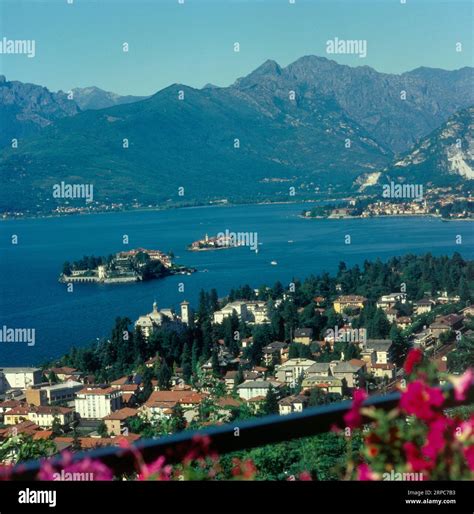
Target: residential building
[
  {"x": 444, "y": 324},
  {"x": 386, "y": 370},
  {"x": 45, "y": 395},
  {"x": 389, "y": 301},
  {"x": 290, "y": 404},
  {"x": 42, "y": 416},
  {"x": 96, "y": 403},
  {"x": 351, "y": 371},
  {"x": 19, "y": 378},
  {"x": 303, "y": 335},
  {"x": 276, "y": 350},
  {"x": 381, "y": 348},
  {"x": 239, "y": 307},
  {"x": 293, "y": 369},
  {"x": 257, "y": 312},
  {"x": 349, "y": 302},
  {"x": 423, "y": 306},
  {"x": 251, "y": 389},
  {"x": 117, "y": 421},
  {"x": 328, "y": 384},
  {"x": 63, "y": 372},
  {"x": 161, "y": 404}
]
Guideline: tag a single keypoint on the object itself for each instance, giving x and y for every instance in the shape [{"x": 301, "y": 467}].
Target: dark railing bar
[{"x": 232, "y": 436}]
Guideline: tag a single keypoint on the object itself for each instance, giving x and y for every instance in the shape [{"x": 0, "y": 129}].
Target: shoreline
[
  {"x": 163, "y": 208},
  {"x": 436, "y": 216}
]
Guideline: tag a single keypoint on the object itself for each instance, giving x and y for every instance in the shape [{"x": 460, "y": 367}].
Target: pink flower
[
  {"x": 305, "y": 476},
  {"x": 462, "y": 384},
  {"x": 414, "y": 358},
  {"x": 437, "y": 437},
  {"x": 469, "y": 454},
  {"x": 155, "y": 471},
  {"x": 420, "y": 400},
  {"x": 364, "y": 472},
  {"x": 353, "y": 417},
  {"x": 84, "y": 470},
  {"x": 414, "y": 458}
]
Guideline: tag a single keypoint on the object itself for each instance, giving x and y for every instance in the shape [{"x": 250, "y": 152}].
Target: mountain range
[
  {"x": 313, "y": 124},
  {"x": 443, "y": 158}
]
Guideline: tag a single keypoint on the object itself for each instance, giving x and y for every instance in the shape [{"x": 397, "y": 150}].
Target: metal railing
[{"x": 240, "y": 435}]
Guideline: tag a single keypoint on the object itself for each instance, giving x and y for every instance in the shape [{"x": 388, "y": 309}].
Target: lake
[{"x": 32, "y": 297}]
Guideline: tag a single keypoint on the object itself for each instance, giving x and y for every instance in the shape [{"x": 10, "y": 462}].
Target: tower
[{"x": 185, "y": 313}]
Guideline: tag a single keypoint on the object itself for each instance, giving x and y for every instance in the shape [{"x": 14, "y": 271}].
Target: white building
[
  {"x": 256, "y": 388},
  {"x": 19, "y": 378},
  {"x": 96, "y": 403},
  {"x": 186, "y": 314},
  {"x": 258, "y": 312},
  {"x": 44, "y": 416},
  {"x": 153, "y": 320},
  {"x": 250, "y": 311},
  {"x": 293, "y": 370},
  {"x": 240, "y": 308}
]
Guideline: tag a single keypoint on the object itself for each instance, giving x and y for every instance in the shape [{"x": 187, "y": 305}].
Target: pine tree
[
  {"x": 186, "y": 363},
  {"x": 195, "y": 356},
  {"x": 400, "y": 346},
  {"x": 56, "y": 427},
  {"x": 215, "y": 362},
  {"x": 271, "y": 402},
  {"x": 178, "y": 420},
  {"x": 164, "y": 377},
  {"x": 102, "y": 429},
  {"x": 464, "y": 291},
  {"x": 239, "y": 377}
]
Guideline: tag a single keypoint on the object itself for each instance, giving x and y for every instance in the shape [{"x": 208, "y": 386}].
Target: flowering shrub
[{"x": 420, "y": 439}]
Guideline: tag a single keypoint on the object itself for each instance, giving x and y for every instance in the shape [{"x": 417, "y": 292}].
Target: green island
[{"x": 123, "y": 267}]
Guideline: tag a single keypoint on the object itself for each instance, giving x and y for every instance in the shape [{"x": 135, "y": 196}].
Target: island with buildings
[
  {"x": 123, "y": 267},
  {"x": 219, "y": 242}
]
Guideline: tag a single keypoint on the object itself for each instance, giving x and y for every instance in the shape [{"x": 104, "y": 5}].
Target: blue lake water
[{"x": 32, "y": 297}]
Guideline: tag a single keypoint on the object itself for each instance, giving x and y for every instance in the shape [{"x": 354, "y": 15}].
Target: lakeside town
[
  {"x": 272, "y": 350},
  {"x": 123, "y": 267},
  {"x": 443, "y": 203}
]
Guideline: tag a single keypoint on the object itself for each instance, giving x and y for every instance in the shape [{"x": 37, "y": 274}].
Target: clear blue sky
[{"x": 80, "y": 45}]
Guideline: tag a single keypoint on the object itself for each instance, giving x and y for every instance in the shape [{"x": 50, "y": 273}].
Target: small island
[
  {"x": 123, "y": 267},
  {"x": 219, "y": 242}
]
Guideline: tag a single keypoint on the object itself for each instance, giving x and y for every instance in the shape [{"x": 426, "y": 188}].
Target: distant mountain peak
[
  {"x": 93, "y": 97},
  {"x": 210, "y": 86},
  {"x": 269, "y": 66}
]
